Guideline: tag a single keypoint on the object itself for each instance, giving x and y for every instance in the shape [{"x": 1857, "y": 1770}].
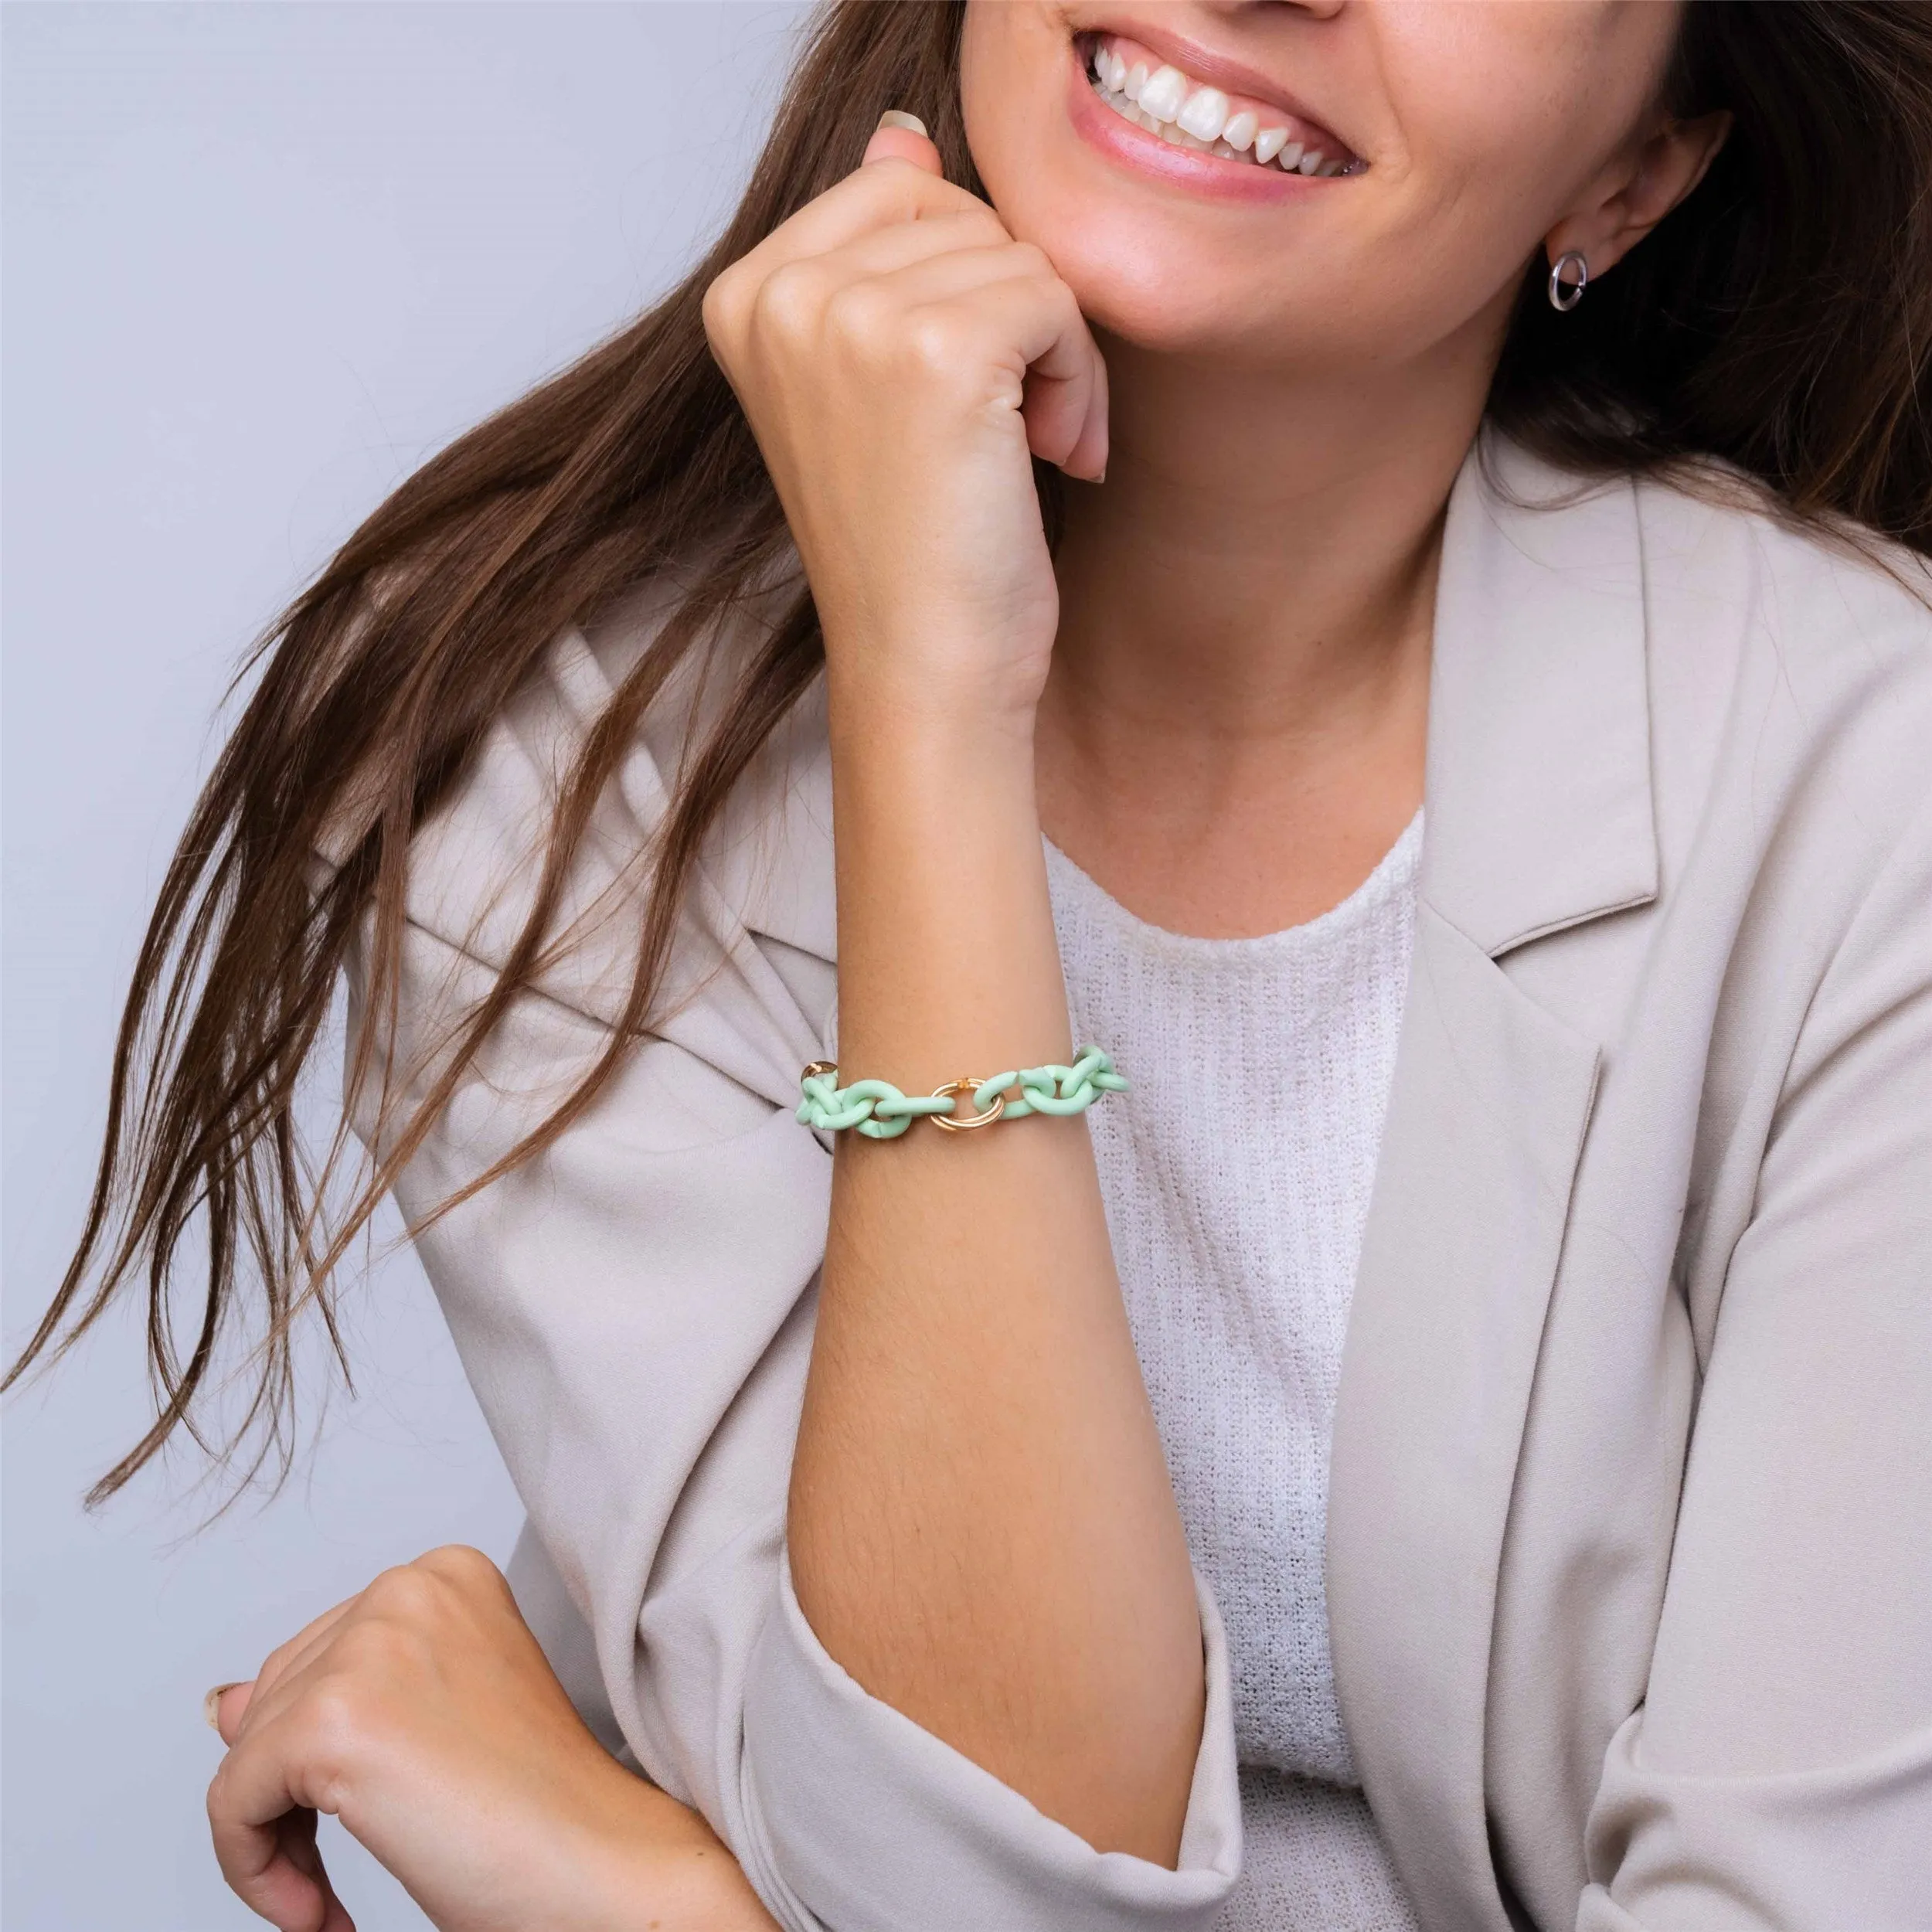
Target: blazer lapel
[{"x": 1539, "y": 818}]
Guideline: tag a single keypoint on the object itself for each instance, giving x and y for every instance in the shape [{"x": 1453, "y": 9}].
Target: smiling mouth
[{"x": 1152, "y": 94}]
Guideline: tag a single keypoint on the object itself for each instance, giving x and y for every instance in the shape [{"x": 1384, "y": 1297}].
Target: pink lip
[{"x": 1189, "y": 168}]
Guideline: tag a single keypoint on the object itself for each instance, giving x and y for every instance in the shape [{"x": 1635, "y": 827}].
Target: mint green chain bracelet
[{"x": 881, "y": 1112}]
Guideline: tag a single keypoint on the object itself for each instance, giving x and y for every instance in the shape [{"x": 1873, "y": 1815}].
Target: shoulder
[
  {"x": 1786, "y": 664},
  {"x": 1649, "y": 693},
  {"x": 1791, "y": 681},
  {"x": 1791, "y": 663},
  {"x": 1841, "y": 620}
]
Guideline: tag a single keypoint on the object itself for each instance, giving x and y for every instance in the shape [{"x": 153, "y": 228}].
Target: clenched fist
[
  {"x": 421, "y": 1713},
  {"x": 901, "y": 357}
]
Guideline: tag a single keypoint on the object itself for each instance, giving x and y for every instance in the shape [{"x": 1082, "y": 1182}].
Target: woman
[{"x": 1445, "y": 713}]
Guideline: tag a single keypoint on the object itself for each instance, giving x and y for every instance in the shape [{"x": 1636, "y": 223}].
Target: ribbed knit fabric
[{"x": 1236, "y": 1176}]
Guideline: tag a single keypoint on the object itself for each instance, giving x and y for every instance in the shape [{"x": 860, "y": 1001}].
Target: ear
[{"x": 1637, "y": 190}]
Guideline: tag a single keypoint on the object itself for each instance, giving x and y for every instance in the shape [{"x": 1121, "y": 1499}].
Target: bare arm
[{"x": 981, "y": 1528}]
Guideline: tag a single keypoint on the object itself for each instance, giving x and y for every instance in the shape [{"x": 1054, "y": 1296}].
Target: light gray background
[{"x": 260, "y": 260}]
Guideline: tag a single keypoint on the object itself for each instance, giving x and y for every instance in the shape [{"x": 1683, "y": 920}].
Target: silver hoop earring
[{"x": 1564, "y": 296}]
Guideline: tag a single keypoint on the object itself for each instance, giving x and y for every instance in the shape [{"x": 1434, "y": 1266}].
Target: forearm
[
  {"x": 982, "y": 1529},
  {"x": 645, "y": 1860}
]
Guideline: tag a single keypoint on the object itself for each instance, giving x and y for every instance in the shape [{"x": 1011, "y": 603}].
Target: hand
[
  {"x": 421, "y": 1713},
  {"x": 900, "y": 358}
]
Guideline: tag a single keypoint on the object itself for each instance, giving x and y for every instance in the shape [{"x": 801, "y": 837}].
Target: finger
[
  {"x": 299, "y": 1847},
  {"x": 1066, "y": 415},
  {"x": 259, "y": 1831},
  {"x": 228, "y": 1706},
  {"x": 885, "y": 251},
  {"x": 281, "y": 1663},
  {"x": 890, "y": 190},
  {"x": 1064, "y": 394},
  {"x": 1012, "y": 304},
  {"x": 902, "y": 136}
]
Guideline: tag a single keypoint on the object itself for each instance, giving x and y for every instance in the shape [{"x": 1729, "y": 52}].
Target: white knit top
[{"x": 1236, "y": 1175}]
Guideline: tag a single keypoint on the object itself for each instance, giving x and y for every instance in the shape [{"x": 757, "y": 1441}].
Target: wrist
[
  {"x": 658, "y": 1863},
  {"x": 919, "y": 771},
  {"x": 691, "y": 1888},
  {"x": 946, "y": 721}
]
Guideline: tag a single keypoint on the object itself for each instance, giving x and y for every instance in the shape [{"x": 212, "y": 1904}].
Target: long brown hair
[{"x": 1778, "y": 322}]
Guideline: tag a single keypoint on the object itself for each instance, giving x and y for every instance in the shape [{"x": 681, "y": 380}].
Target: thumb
[
  {"x": 223, "y": 1707},
  {"x": 902, "y": 136}
]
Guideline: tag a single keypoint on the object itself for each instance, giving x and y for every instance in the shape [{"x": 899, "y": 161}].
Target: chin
[
  {"x": 1167, "y": 244},
  {"x": 1133, "y": 295}
]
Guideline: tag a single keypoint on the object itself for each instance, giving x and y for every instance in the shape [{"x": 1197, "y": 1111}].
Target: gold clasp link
[{"x": 952, "y": 1123}]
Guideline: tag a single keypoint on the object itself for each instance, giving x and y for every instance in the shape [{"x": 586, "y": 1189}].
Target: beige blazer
[{"x": 1630, "y": 1538}]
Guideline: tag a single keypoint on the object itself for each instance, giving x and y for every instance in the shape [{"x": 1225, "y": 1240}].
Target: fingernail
[
  {"x": 894, "y": 118},
  {"x": 213, "y": 1699}
]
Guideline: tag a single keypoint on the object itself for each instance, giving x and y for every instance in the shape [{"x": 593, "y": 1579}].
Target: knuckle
[
  {"x": 1061, "y": 299},
  {"x": 334, "y": 1719},
  {"x": 366, "y": 1651},
  {"x": 278, "y": 1661},
  {"x": 463, "y": 1565},
  {"x": 408, "y": 1594},
  {"x": 789, "y": 300},
  {"x": 718, "y": 311},
  {"x": 856, "y": 315},
  {"x": 903, "y": 186},
  {"x": 727, "y": 299},
  {"x": 984, "y": 226},
  {"x": 1032, "y": 259},
  {"x": 937, "y": 340}
]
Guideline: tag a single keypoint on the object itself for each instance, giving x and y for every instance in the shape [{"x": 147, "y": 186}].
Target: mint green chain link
[
  {"x": 882, "y": 1112},
  {"x": 1053, "y": 1090}
]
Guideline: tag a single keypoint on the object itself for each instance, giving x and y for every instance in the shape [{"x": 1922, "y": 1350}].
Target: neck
[{"x": 1246, "y": 609}]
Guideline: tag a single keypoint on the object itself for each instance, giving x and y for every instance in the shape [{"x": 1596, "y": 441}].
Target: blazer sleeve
[
  {"x": 1779, "y": 1773},
  {"x": 634, "y": 1308}
]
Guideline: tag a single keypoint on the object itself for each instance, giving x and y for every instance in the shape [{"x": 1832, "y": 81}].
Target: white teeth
[
  {"x": 1205, "y": 113},
  {"x": 1162, "y": 96},
  {"x": 1165, "y": 102}
]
